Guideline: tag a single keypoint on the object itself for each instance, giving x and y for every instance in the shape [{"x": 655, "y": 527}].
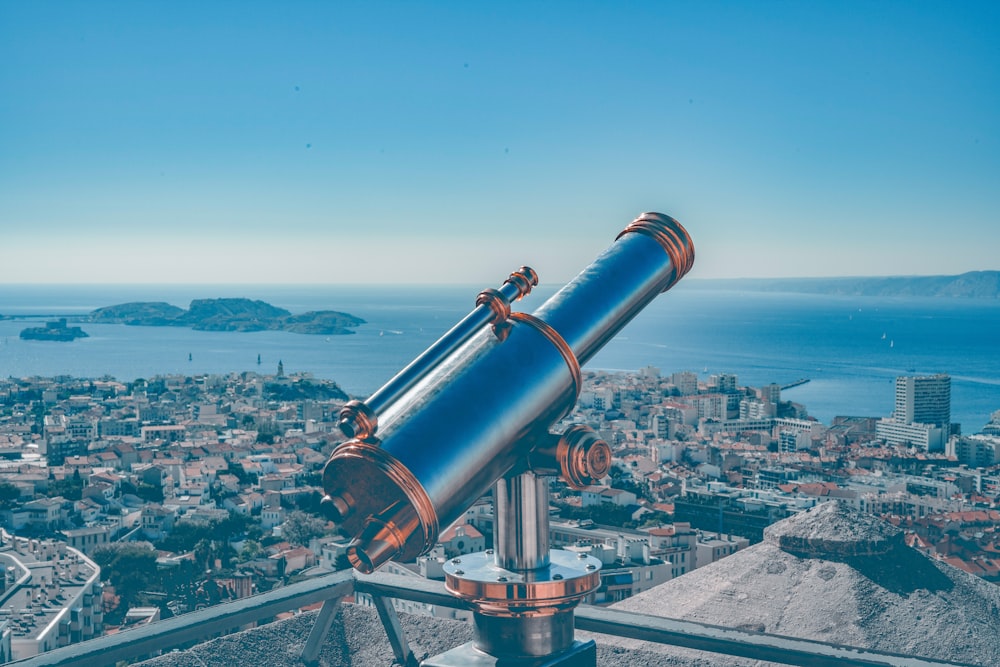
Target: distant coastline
[
  {"x": 973, "y": 284},
  {"x": 763, "y": 337}
]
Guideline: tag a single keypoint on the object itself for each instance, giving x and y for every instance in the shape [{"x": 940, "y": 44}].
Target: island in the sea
[
  {"x": 53, "y": 331},
  {"x": 227, "y": 315}
]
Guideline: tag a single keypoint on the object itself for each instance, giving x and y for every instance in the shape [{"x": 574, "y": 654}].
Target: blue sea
[{"x": 850, "y": 348}]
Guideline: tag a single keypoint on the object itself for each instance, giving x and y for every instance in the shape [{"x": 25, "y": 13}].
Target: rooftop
[{"x": 42, "y": 579}]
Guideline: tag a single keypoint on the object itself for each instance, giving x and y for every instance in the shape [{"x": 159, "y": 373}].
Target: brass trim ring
[
  {"x": 671, "y": 235},
  {"x": 523, "y": 279},
  {"x": 564, "y": 349},
  {"x": 497, "y": 302},
  {"x": 400, "y": 475},
  {"x": 357, "y": 420},
  {"x": 497, "y": 591}
]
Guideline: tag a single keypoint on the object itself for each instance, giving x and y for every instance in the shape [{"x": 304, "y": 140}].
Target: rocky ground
[{"x": 357, "y": 639}]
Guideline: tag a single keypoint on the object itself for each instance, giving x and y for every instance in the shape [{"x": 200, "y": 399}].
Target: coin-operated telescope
[{"x": 475, "y": 411}]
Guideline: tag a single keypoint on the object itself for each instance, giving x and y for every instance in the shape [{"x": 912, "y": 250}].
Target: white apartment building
[
  {"x": 715, "y": 546},
  {"x": 686, "y": 382},
  {"x": 755, "y": 408},
  {"x": 975, "y": 451},
  {"x": 674, "y": 544},
  {"x": 923, "y": 400},
  {"x": 925, "y": 437}
]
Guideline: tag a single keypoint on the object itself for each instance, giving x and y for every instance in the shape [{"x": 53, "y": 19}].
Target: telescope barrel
[
  {"x": 477, "y": 413},
  {"x": 592, "y": 308},
  {"x": 360, "y": 420}
]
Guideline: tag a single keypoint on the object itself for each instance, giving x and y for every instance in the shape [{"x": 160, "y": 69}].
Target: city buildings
[{"x": 701, "y": 468}]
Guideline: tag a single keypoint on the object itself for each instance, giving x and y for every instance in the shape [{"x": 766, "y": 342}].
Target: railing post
[
  {"x": 324, "y": 621},
  {"x": 393, "y": 629}
]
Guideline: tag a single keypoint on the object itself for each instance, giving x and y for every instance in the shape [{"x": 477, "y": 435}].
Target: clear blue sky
[{"x": 331, "y": 142}]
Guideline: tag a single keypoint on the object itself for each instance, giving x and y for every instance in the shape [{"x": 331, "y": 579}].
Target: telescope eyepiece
[{"x": 383, "y": 537}]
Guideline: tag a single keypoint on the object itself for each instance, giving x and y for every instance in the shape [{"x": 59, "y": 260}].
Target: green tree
[
  {"x": 236, "y": 469},
  {"x": 208, "y": 551},
  {"x": 130, "y": 568},
  {"x": 9, "y": 495},
  {"x": 184, "y": 536},
  {"x": 300, "y": 527},
  {"x": 70, "y": 488},
  {"x": 267, "y": 433},
  {"x": 149, "y": 492},
  {"x": 251, "y": 549},
  {"x": 181, "y": 581},
  {"x": 232, "y": 526},
  {"x": 310, "y": 502},
  {"x": 203, "y": 553}
]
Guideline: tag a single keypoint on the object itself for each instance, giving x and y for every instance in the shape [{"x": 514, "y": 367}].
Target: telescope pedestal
[
  {"x": 480, "y": 403},
  {"x": 523, "y": 614}
]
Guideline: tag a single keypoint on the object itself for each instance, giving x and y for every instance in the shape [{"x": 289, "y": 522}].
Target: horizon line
[{"x": 687, "y": 279}]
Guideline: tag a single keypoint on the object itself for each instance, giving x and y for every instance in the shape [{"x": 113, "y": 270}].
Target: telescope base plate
[{"x": 567, "y": 579}]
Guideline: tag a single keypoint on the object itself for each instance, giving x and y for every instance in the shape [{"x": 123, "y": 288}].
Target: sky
[{"x": 375, "y": 142}]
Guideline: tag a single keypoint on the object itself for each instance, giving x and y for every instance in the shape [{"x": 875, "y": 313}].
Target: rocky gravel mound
[{"x": 833, "y": 574}]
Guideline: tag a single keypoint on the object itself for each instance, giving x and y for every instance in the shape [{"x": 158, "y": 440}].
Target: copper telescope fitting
[
  {"x": 579, "y": 456},
  {"x": 523, "y": 615},
  {"x": 444, "y": 430}
]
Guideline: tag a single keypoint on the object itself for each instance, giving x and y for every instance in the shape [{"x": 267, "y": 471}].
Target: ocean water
[{"x": 850, "y": 348}]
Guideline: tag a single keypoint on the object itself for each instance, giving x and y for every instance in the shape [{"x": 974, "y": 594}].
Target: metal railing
[{"x": 200, "y": 625}]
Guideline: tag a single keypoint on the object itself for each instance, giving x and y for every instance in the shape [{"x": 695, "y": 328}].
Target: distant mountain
[
  {"x": 144, "y": 313},
  {"x": 974, "y": 284},
  {"x": 227, "y": 315}
]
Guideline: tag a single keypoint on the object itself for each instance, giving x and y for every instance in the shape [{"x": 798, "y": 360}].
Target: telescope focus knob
[
  {"x": 584, "y": 458},
  {"x": 578, "y": 455}
]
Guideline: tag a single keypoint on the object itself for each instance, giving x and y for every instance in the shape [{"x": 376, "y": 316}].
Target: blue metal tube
[
  {"x": 492, "y": 306},
  {"x": 468, "y": 419}
]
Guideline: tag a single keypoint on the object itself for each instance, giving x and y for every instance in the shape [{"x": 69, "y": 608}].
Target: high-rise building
[
  {"x": 686, "y": 382},
  {"x": 770, "y": 393},
  {"x": 726, "y": 383},
  {"x": 924, "y": 400}
]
